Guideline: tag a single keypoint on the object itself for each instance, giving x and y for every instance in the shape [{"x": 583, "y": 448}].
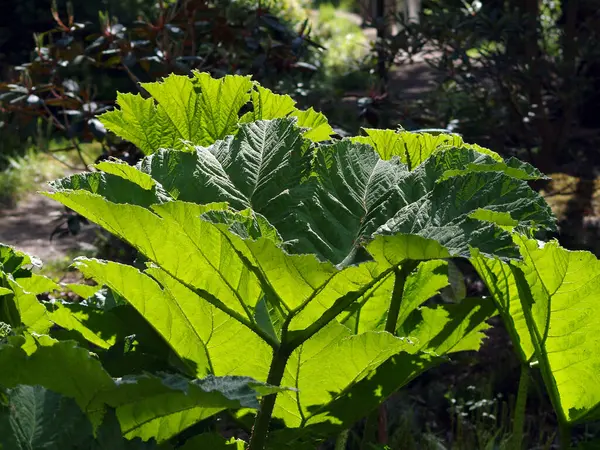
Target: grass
[
  {"x": 61, "y": 269},
  {"x": 26, "y": 173}
]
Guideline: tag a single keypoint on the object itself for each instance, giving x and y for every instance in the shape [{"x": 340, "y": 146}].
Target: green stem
[
  {"x": 260, "y": 430},
  {"x": 564, "y": 430},
  {"x": 342, "y": 440},
  {"x": 402, "y": 274},
  {"x": 370, "y": 429},
  {"x": 519, "y": 418}
]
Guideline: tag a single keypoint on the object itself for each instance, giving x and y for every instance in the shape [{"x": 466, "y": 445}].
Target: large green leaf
[
  {"x": 338, "y": 359},
  {"x": 11, "y": 259},
  {"x": 97, "y": 326},
  {"x": 120, "y": 186},
  {"x": 59, "y": 366},
  {"x": 232, "y": 273},
  {"x": 143, "y": 123},
  {"x": 146, "y": 405},
  {"x": 358, "y": 194},
  {"x": 305, "y": 289},
  {"x": 29, "y": 311},
  {"x": 159, "y": 407},
  {"x": 255, "y": 169},
  {"x": 36, "y": 418},
  {"x": 412, "y": 148},
  {"x": 186, "y": 309},
  {"x": 550, "y": 302},
  {"x": 267, "y": 244},
  {"x": 19, "y": 287},
  {"x": 351, "y": 194},
  {"x": 502, "y": 285},
  {"x": 201, "y": 110},
  {"x": 22, "y": 308},
  {"x": 205, "y": 338},
  {"x": 315, "y": 123},
  {"x": 214, "y": 264},
  {"x": 198, "y": 110},
  {"x": 217, "y": 107},
  {"x": 447, "y": 329},
  {"x": 267, "y": 105}
]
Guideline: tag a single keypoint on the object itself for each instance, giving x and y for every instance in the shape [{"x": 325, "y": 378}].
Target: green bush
[{"x": 276, "y": 263}]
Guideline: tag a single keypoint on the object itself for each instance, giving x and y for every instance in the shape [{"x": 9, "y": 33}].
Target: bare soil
[{"x": 30, "y": 224}]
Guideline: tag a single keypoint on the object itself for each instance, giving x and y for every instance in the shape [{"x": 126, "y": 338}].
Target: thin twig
[
  {"x": 79, "y": 152},
  {"x": 69, "y": 166},
  {"x": 63, "y": 149}
]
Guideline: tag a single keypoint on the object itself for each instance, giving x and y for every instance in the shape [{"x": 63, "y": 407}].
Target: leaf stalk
[
  {"x": 564, "y": 430},
  {"x": 401, "y": 274},
  {"x": 260, "y": 429},
  {"x": 520, "y": 406}
]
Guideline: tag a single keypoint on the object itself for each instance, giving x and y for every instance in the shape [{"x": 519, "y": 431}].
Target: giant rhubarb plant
[{"x": 270, "y": 251}]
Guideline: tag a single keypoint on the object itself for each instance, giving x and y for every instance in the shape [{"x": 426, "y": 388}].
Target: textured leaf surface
[
  {"x": 97, "y": 326},
  {"x": 449, "y": 328},
  {"x": 59, "y": 366},
  {"x": 351, "y": 194},
  {"x": 219, "y": 104},
  {"x": 205, "y": 338},
  {"x": 412, "y": 148},
  {"x": 301, "y": 284},
  {"x": 359, "y": 194},
  {"x": 255, "y": 168},
  {"x": 563, "y": 286},
  {"x": 114, "y": 186},
  {"x": 264, "y": 240},
  {"x": 201, "y": 110},
  {"x": 146, "y": 406},
  {"x": 162, "y": 406},
  {"x": 454, "y": 328},
  {"x": 336, "y": 358},
  {"x": 127, "y": 172},
  {"x": 556, "y": 291},
  {"x": 31, "y": 313},
  {"x": 37, "y": 419},
  {"x": 231, "y": 273},
  {"x": 318, "y": 128},
  {"x": 501, "y": 282},
  {"x": 143, "y": 123},
  {"x": 268, "y": 105}
]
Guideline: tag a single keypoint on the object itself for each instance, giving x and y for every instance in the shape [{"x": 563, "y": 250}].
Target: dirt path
[{"x": 28, "y": 228}]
